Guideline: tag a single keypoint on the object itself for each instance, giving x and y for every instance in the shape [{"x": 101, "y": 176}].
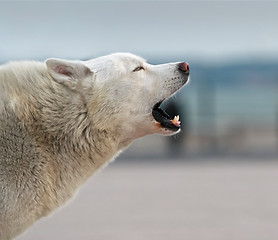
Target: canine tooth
[{"x": 176, "y": 121}]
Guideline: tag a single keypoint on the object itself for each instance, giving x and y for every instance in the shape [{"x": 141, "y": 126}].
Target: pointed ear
[{"x": 70, "y": 73}]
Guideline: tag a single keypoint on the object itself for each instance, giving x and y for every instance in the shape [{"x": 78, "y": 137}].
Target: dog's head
[{"x": 123, "y": 91}]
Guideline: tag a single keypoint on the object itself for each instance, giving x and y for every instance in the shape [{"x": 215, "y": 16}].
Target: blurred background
[{"x": 218, "y": 178}]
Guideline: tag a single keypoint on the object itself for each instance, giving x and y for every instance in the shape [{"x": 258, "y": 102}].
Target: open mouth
[{"x": 164, "y": 119}]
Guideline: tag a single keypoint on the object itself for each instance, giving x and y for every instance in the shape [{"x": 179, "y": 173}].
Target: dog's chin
[{"x": 169, "y": 132}]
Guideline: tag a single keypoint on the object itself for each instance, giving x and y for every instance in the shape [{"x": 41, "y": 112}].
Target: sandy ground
[{"x": 177, "y": 200}]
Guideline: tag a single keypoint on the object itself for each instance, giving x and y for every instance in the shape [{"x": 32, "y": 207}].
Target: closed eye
[{"x": 138, "y": 69}]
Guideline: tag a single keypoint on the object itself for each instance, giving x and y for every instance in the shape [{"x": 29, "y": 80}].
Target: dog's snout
[{"x": 184, "y": 67}]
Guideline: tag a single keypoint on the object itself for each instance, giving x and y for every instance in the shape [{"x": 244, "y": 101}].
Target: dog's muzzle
[{"x": 160, "y": 115}]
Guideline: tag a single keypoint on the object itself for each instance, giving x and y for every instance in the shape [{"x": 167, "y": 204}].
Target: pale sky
[{"x": 206, "y": 30}]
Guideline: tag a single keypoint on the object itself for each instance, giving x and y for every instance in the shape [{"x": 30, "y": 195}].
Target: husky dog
[{"x": 61, "y": 120}]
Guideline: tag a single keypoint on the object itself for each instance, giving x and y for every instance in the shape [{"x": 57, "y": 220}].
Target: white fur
[{"x": 61, "y": 120}]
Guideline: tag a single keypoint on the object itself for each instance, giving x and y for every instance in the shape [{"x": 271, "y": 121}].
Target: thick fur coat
[{"x": 60, "y": 121}]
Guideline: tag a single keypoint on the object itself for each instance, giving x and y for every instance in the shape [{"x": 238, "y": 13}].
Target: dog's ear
[{"x": 72, "y": 74}]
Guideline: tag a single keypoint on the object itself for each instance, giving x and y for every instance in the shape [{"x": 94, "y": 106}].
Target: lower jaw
[
  {"x": 164, "y": 130},
  {"x": 163, "y": 119}
]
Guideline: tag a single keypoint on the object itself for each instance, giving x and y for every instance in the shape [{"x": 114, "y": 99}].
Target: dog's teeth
[{"x": 176, "y": 121}]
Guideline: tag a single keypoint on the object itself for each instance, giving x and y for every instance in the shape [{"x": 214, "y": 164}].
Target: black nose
[{"x": 184, "y": 67}]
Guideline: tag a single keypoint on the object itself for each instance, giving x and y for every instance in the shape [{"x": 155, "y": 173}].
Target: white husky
[{"x": 62, "y": 120}]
